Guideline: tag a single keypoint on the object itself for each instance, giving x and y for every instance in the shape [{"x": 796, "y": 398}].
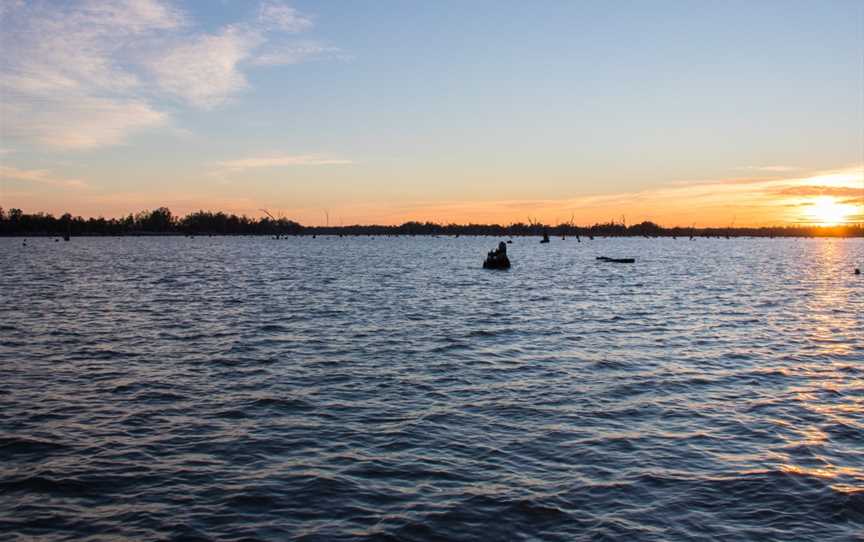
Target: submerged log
[
  {"x": 497, "y": 259},
  {"x": 616, "y": 260}
]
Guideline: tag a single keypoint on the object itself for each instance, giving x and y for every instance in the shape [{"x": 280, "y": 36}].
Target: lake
[{"x": 390, "y": 389}]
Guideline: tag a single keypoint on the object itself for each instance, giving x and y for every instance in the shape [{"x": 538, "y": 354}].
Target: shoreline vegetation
[{"x": 161, "y": 221}]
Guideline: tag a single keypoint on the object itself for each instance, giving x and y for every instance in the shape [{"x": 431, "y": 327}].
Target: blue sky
[{"x": 384, "y": 111}]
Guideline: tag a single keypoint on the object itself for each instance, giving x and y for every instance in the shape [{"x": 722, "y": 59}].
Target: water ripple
[{"x": 391, "y": 389}]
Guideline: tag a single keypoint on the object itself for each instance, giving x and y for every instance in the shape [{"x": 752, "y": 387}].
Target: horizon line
[{"x": 173, "y": 222}]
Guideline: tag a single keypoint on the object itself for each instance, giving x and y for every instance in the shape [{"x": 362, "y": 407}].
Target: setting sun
[{"x": 827, "y": 212}]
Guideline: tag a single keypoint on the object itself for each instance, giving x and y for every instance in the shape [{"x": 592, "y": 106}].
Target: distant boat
[{"x": 545, "y": 238}]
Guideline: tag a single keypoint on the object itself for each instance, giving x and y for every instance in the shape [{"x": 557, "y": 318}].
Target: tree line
[{"x": 161, "y": 221}]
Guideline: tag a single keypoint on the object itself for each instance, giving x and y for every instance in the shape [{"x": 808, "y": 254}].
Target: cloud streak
[
  {"x": 283, "y": 160},
  {"x": 83, "y": 123},
  {"x": 297, "y": 54},
  {"x": 777, "y": 169},
  {"x": 809, "y": 190},
  {"x": 41, "y": 176}
]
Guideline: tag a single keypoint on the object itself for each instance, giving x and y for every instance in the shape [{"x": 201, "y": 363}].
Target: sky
[{"x": 706, "y": 113}]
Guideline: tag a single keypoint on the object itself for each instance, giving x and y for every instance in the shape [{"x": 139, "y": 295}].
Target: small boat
[
  {"x": 545, "y": 238},
  {"x": 616, "y": 260}
]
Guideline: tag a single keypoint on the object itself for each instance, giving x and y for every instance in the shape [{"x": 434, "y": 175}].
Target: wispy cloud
[
  {"x": 204, "y": 72},
  {"x": 282, "y": 160},
  {"x": 279, "y": 16},
  {"x": 62, "y": 82},
  {"x": 727, "y": 180},
  {"x": 84, "y": 122},
  {"x": 777, "y": 169},
  {"x": 810, "y": 190},
  {"x": 88, "y": 73},
  {"x": 41, "y": 176},
  {"x": 295, "y": 54}
]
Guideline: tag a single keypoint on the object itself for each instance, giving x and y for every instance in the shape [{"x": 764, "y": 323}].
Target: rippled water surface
[{"x": 383, "y": 388}]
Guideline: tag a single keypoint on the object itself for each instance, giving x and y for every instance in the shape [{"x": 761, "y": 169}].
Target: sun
[{"x": 827, "y": 212}]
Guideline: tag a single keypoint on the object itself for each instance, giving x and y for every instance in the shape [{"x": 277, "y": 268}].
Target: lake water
[{"x": 391, "y": 389}]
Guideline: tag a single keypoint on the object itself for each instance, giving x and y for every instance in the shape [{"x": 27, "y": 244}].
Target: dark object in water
[
  {"x": 497, "y": 259},
  {"x": 616, "y": 260},
  {"x": 545, "y": 238},
  {"x": 857, "y": 271}
]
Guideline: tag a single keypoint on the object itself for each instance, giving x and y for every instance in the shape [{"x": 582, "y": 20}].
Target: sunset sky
[{"x": 386, "y": 111}]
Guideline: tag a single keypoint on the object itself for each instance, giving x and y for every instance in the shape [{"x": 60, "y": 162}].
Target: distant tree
[
  {"x": 646, "y": 228},
  {"x": 65, "y": 223},
  {"x": 157, "y": 221}
]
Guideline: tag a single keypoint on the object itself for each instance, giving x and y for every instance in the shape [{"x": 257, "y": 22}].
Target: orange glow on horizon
[{"x": 826, "y": 198}]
